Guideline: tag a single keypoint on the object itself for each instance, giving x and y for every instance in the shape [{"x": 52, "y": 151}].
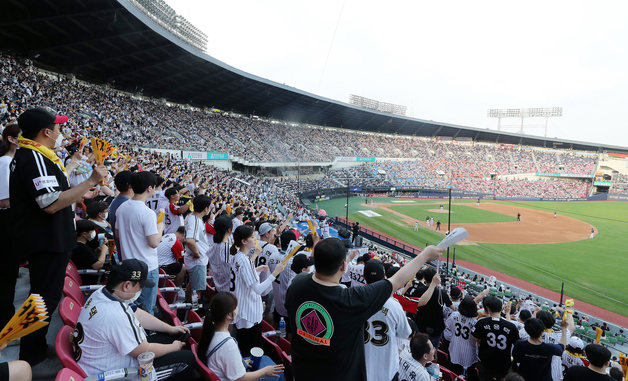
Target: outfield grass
[
  {"x": 461, "y": 214},
  {"x": 593, "y": 270}
]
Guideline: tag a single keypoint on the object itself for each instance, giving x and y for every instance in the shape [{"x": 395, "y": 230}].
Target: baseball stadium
[{"x": 120, "y": 100}]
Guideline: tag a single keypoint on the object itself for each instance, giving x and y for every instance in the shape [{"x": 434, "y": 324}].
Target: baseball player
[
  {"x": 412, "y": 365},
  {"x": 463, "y": 349},
  {"x": 495, "y": 337},
  {"x": 382, "y": 330},
  {"x": 416, "y": 226},
  {"x": 553, "y": 337}
]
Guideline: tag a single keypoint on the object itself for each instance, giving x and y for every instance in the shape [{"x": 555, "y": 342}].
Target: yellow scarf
[{"x": 47, "y": 152}]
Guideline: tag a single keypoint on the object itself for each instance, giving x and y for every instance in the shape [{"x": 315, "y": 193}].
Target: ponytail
[
  {"x": 222, "y": 303},
  {"x": 241, "y": 233}
]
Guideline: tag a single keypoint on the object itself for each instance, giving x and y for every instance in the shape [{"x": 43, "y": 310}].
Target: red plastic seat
[
  {"x": 168, "y": 314},
  {"x": 284, "y": 345},
  {"x": 66, "y": 374},
  {"x": 193, "y": 317},
  {"x": 170, "y": 296},
  {"x": 271, "y": 349},
  {"x": 206, "y": 373},
  {"x": 266, "y": 326},
  {"x": 442, "y": 358},
  {"x": 448, "y": 375},
  {"x": 71, "y": 289},
  {"x": 65, "y": 351},
  {"x": 72, "y": 272},
  {"x": 69, "y": 310}
]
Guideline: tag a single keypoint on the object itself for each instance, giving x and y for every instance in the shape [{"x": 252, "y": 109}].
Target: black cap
[
  {"x": 373, "y": 271},
  {"x": 301, "y": 261},
  {"x": 35, "y": 119},
  {"x": 132, "y": 270},
  {"x": 85, "y": 226}
]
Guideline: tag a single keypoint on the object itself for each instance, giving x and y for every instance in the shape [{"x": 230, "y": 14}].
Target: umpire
[{"x": 44, "y": 228}]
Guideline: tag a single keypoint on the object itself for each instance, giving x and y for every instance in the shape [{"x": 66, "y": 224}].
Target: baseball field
[{"x": 541, "y": 248}]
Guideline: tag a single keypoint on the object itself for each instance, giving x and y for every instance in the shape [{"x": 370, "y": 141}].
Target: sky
[{"x": 447, "y": 61}]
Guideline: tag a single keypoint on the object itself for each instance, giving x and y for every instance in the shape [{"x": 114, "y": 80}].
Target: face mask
[
  {"x": 106, "y": 215},
  {"x": 129, "y": 301},
  {"x": 92, "y": 235},
  {"x": 58, "y": 140}
]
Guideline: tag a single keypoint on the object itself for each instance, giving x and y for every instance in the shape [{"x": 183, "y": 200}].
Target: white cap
[{"x": 576, "y": 342}]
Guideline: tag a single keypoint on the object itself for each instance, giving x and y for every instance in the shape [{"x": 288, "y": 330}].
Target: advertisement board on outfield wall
[
  {"x": 197, "y": 155},
  {"x": 576, "y": 175},
  {"x": 355, "y": 158}
]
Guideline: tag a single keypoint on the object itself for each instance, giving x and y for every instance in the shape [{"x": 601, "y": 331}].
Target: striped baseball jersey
[
  {"x": 268, "y": 249},
  {"x": 381, "y": 332},
  {"x": 411, "y": 370},
  {"x": 106, "y": 332},
  {"x": 220, "y": 262},
  {"x": 553, "y": 337},
  {"x": 246, "y": 286},
  {"x": 572, "y": 359},
  {"x": 463, "y": 350},
  {"x": 158, "y": 201}
]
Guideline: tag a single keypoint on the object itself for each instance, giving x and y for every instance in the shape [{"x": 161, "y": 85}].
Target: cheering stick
[
  {"x": 102, "y": 149},
  {"x": 292, "y": 253},
  {"x": 27, "y": 319},
  {"x": 568, "y": 308},
  {"x": 311, "y": 226}
]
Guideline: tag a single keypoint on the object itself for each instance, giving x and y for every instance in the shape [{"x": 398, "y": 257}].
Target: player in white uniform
[
  {"x": 412, "y": 365},
  {"x": 463, "y": 349},
  {"x": 553, "y": 337},
  {"x": 382, "y": 330},
  {"x": 218, "y": 253},
  {"x": 245, "y": 284},
  {"x": 173, "y": 218},
  {"x": 110, "y": 332}
]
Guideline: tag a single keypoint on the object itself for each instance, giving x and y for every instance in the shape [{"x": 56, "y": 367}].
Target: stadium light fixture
[{"x": 523, "y": 113}]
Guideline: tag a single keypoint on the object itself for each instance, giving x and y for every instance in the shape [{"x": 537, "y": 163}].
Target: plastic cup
[
  {"x": 256, "y": 357},
  {"x": 145, "y": 369}
]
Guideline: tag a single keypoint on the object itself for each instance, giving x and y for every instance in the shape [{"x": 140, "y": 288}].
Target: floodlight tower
[{"x": 523, "y": 113}]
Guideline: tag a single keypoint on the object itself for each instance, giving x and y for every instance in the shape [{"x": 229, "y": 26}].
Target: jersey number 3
[
  {"x": 232, "y": 281},
  {"x": 380, "y": 336}
]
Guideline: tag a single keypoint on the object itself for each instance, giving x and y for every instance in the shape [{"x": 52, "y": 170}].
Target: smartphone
[{"x": 101, "y": 239}]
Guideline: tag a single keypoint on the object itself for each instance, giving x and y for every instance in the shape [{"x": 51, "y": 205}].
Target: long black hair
[
  {"x": 241, "y": 233},
  {"x": 222, "y": 304},
  {"x": 222, "y": 225},
  {"x": 12, "y": 130}
]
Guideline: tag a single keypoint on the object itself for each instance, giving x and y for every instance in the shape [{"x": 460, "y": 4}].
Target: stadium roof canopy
[{"x": 114, "y": 42}]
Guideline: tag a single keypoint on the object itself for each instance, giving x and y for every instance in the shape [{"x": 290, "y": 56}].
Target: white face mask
[
  {"x": 106, "y": 215},
  {"x": 92, "y": 235},
  {"x": 129, "y": 301},
  {"x": 59, "y": 140}
]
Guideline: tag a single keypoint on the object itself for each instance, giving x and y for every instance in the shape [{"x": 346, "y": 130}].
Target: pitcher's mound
[{"x": 439, "y": 211}]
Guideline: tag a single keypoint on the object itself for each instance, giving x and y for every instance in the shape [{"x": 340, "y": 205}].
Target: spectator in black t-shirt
[
  {"x": 599, "y": 360},
  {"x": 327, "y": 320},
  {"x": 495, "y": 337},
  {"x": 532, "y": 358},
  {"x": 40, "y": 190},
  {"x": 429, "y": 317},
  {"x": 83, "y": 256}
]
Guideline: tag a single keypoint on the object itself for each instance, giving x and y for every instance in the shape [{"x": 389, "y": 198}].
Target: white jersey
[
  {"x": 165, "y": 255},
  {"x": 106, "y": 332},
  {"x": 281, "y": 284},
  {"x": 245, "y": 284},
  {"x": 463, "y": 350},
  {"x": 158, "y": 201},
  {"x": 411, "y": 370},
  {"x": 220, "y": 262},
  {"x": 172, "y": 220},
  {"x": 355, "y": 274},
  {"x": 195, "y": 229},
  {"x": 568, "y": 360},
  {"x": 557, "y": 362},
  {"x": 135, "y": 222},
  {"x": 380, "y": 340},
  {"x": 268, "y": 249}
]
